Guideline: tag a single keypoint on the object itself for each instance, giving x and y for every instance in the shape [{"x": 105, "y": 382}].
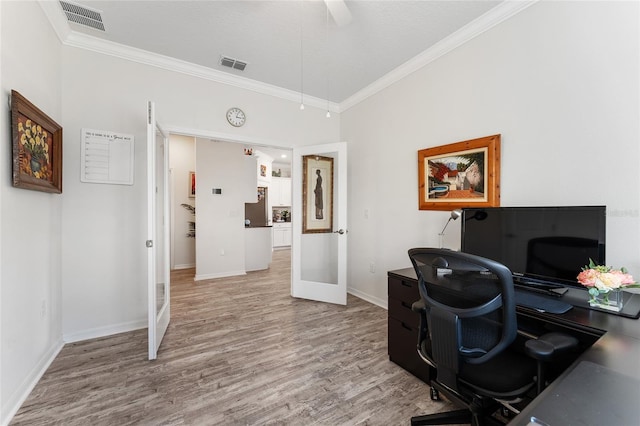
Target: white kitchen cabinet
[
  {"x": 282, "y": 234},
  {"x": 280, "y": 191}
]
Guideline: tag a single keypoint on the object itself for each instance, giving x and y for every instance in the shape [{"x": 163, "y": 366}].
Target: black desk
[
  {"x": 612, "y": 368},
  {"x": 615, "y": 352}
]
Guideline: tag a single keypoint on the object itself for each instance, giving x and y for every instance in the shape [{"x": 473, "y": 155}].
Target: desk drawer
[
  {"x": 403, "y": 339},
  {"x": 401, "y": 311},
  {"x": 405, "y": 291}
]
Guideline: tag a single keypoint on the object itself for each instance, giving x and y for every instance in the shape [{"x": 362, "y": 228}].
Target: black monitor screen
[{"x": 550, "y": 243}]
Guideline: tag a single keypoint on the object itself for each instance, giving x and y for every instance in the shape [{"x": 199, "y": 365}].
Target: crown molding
[
  {"x": 95, "y": 44},
  {"x": 493, "y": 17}
]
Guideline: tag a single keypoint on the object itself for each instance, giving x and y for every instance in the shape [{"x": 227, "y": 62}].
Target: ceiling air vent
[
  {"x": 232, "y": 63},
  {"x": 82, "y": 15}
]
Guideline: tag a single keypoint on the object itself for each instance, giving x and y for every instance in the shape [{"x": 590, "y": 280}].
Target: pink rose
[
  {"x": 588, "y": 277},
  {"x": 625, "y": 279}
]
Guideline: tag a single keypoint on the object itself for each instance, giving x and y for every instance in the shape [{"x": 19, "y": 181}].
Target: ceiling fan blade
[{"x": 339, "y": 11}]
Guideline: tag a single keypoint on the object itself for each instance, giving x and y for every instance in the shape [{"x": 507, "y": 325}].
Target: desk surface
[{"x": 616, "y": 352}]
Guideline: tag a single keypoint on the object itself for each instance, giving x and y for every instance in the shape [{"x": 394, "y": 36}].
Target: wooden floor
[{"x": 238, "y": 351}]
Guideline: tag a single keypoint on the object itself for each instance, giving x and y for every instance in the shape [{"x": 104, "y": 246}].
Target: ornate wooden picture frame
[
  {"x": 37, "y": 147},
  {"x": 317, "y": 194},
  {"x": 462, "y": 174}
]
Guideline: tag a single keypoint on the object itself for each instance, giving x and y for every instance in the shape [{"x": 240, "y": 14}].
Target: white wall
[
  {"x": 30, "y": 221},
  {"x": 89, "y": 241},
  {"x": 104, "y": 270},
  {"x": 220, "y": 217},
  {"x": 266, "y": 161},
  {"x": 182, "y": 158},
  {"x": 559, "y": 81}
]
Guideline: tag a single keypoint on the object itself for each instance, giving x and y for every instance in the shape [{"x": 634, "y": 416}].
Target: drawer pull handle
[
  {"x": 406, "y": 326},
  {"x": 405, "y": 304},
  {"x": 406, "y": 284}
]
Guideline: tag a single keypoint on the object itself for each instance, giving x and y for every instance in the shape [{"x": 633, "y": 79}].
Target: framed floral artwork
[
  {"x": 461, "y": 174},
  {"x": 317, "y": 194},
  {"x": 37, "y": 147}
]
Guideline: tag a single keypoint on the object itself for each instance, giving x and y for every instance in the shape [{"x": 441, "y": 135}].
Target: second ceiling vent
[{"x": 232, "y": 63}]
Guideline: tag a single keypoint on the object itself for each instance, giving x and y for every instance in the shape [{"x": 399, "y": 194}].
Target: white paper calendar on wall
[{"x": 107, "y": 157}]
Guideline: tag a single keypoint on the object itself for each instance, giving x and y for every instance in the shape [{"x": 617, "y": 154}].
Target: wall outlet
[
  {"x": 372, "y": 267},
  {"x": 222, "y": 253},
  {"x": 43, "y": 309}
]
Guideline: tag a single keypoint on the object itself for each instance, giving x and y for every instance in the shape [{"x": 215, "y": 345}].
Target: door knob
[{"x": 339, "y": 231}]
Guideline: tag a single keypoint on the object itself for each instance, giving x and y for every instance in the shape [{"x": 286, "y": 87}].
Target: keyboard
[{"x": 541, "y": 304}]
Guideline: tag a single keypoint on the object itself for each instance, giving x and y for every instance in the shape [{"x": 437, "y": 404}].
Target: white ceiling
[{"x": 287, "y": 44}]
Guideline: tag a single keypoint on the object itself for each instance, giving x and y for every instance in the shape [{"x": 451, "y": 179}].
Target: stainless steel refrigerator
[{"x": 257, "y": 214}]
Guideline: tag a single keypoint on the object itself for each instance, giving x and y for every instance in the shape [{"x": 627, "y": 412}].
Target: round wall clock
[{"x": 236, "y": 117}]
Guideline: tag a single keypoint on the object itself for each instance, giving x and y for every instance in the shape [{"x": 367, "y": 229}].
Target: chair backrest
[{"x": 470, "y": 305}]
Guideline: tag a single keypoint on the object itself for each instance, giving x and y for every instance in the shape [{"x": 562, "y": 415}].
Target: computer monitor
[{"x": 547, "y": 243}]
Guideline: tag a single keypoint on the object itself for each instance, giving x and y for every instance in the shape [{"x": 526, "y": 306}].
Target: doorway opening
[{"x": 189, "y": 208}]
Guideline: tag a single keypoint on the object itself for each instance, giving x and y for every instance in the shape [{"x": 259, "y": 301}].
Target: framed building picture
[
  {"x": 317, "y": 194},
  {"x": 37, "y": 147},
  {"x": 462, "y": 174}
]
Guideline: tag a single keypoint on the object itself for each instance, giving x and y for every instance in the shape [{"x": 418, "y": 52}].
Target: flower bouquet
[
  {"x": 34, "y": 151},
  {"x": 605, "y": 285}
]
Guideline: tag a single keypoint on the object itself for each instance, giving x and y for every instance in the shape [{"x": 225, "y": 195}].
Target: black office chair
[{"x": 469, "y": 334}]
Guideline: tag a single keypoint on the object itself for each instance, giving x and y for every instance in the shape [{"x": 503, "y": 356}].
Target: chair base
[
  {"x": 454, "y": 418},
  {"x": 476, "y": 415},
  {"x": 448, "y": 418}
]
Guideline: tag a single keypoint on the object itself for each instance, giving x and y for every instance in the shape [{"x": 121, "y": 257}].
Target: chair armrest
[
  {"x": 550, "y": 345},
  {"x": 418, "y": 307}
]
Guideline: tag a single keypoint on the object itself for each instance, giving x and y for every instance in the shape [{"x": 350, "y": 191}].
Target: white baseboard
[
  {"x": 185, "y": 266},
  {"x": 371, "y": 299},
  {"x": 104, "y": 331},
  {"x": 16, "y": 400}
]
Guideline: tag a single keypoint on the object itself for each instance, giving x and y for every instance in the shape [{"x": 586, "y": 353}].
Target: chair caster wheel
[
  {"x": 435, "y": 395},
  {"x": 505, "y": 412}
]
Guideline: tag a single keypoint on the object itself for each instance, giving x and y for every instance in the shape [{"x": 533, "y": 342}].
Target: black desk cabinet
[
  {"x": 403, "y": 326},
  {"x": 610, "y": 342}
]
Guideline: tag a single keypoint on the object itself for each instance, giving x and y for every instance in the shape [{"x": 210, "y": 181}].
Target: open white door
[
  {"x": 157, "y": 232},
  {"x": 319, "y": 220}
]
